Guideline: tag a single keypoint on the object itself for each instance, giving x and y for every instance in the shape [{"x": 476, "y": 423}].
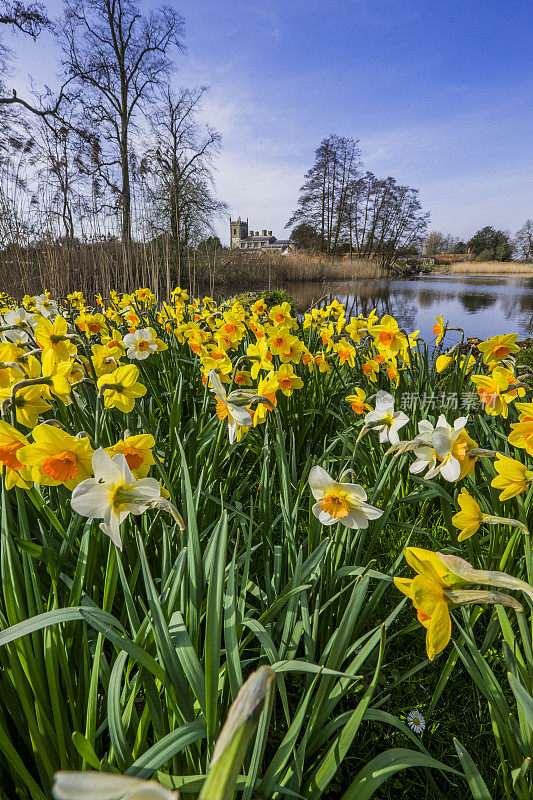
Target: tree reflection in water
[{"x": 483, "y": 306}]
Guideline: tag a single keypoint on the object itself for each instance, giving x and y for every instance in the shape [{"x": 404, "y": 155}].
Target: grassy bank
[
  {"x": 503, "y": 268},
  {"x": 97, "y": 267}
]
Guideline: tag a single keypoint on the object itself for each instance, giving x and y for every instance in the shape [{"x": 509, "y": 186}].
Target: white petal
[
  {"x": 148, "y": 487},
  {"x": 90, "y": 499},
  {"x": 320, "y": 482},
  {"x": 356, "y": 520},
  {"x": 120, "y": 461},
  {"x": 327, "y": 519},
  {"x": 111, "y": 525},
  {"x": 451, "y": 469},
  {"x": 355, "y": 491},
  {"x": 391, "y": 434},
  {"x": 216, "y": 384},
  {"x": 399, "y": 420},
  {"x": 459, "y": 423},
  {"x": 104, "y": 468},
  {"x": 240, "y": 414},
  {"x": 442, "y": 422},
  {"x": 425, "y": 426},
  {"x": 384, "y": 401},
  {"x": 371, "y": 512},
  {"x": 442, "y": 441}
]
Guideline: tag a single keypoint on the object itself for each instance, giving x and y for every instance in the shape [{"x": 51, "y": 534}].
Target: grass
[
  {"x": 98, "y": 267},
  {"x": 128, "y": 660},
  {"x": 502, "y": 268}
]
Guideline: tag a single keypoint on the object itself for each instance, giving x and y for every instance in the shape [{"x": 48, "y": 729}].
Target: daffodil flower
[
  {"x": 385, "y": 420},
  {"x": 513, "y": 477},
  {"x": 499, "y": 347},
  {"x": 451, "y": 448},
  {"x": 140, "y": 344},
  {"x": 113, "y": 493},
  {"x": 438, "y": 587},
  {"x": 238, "y": 416},
  {"x": 55, "y": 457},
  {"x": 340, "y": 502}
]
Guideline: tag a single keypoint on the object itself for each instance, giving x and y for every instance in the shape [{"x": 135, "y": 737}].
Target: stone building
[{"x": 243, "y": 239}]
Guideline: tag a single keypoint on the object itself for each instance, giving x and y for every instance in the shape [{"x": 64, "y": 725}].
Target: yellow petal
[{"x": 439, "y": 631}]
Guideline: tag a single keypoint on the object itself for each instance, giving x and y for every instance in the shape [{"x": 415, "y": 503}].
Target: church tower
[{"x": 238, "y": 230}]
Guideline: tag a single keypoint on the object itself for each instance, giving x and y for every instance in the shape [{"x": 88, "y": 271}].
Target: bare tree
[
  {"x": 324, "y": 194},
  {"x": 117, "y": 56},
  {"x": 523, "y": 241},
  {"x": 180, "y": 167}
]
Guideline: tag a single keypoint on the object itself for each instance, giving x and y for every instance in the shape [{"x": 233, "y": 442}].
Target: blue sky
[{"x": 440, "y": 94}]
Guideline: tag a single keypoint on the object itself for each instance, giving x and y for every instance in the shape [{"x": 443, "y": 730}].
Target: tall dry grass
[
  {"x": 487, "y": 268},
  {"x": 97, "y": 267}
]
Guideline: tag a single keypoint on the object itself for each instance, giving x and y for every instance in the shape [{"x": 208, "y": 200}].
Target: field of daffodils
[{"x": 245, "y": 552}]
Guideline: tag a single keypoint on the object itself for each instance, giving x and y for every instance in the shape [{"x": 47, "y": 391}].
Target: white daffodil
[
  {"x": 16, "y": 336},
  {"x": 113, "y": 493},
  {"x": 444, "y": 438},
  {"x": 340, "y": 502},
  {"x": 426, "y": 455},
  {"x": 140, "y": 344},
  {"x": 391, "y": 420},
  {"x": 19, "y": 318},
  {"x": 106, "y": 786},
  {"x": 238, "y": 416},
  {"x": 45, "y": 307}
]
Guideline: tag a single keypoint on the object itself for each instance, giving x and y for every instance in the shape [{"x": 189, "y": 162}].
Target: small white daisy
[{"x": 416, "y": 721}]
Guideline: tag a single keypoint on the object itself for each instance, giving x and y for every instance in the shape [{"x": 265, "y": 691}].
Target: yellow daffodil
[
  {"x": 242, "y": 377},
  {"x": 281, "y": 341},
  {"x": 356, "y": 329},
  {"x": 370, "y": 368},
  {"x": 267, "y": 387},
  {"x": 13, "y": 470},
  {"x": 321, "y": 360},
  {"x": 288, "y": 380},
  {"x": 357, "y": 401},
  {"x": 438, "y": 587},
  {"x": 469, "y": 518},
  {"x": 513, "y": 477},
  {"x": 439, "y": 329},
  {"x": 104, "y": 359},
  {"x": 53, "y": 336},
  {"x": 55, "y": 457},
  {"x": 387, "y": 336},
  {"x": 121, "y": 388},
  {"x": 443, "y": 363},
  {"x": 92, "y": 324},
  {"x": 281, "y": 315},
  {"x": 345, "y": 352},
  {"x": 491, "y": 390},
  {"x": 29, "y": 405},
  {"x": 137, "y": 451},
  {"x": 260, "y": 356},
  {"x": 498, "y": 348}
]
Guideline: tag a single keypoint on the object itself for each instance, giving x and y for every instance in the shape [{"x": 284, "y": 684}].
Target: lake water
[{"x": 482, "y": 306}]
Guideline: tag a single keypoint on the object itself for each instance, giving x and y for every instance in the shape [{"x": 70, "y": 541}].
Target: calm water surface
[{"x": 482, "y": 306}]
